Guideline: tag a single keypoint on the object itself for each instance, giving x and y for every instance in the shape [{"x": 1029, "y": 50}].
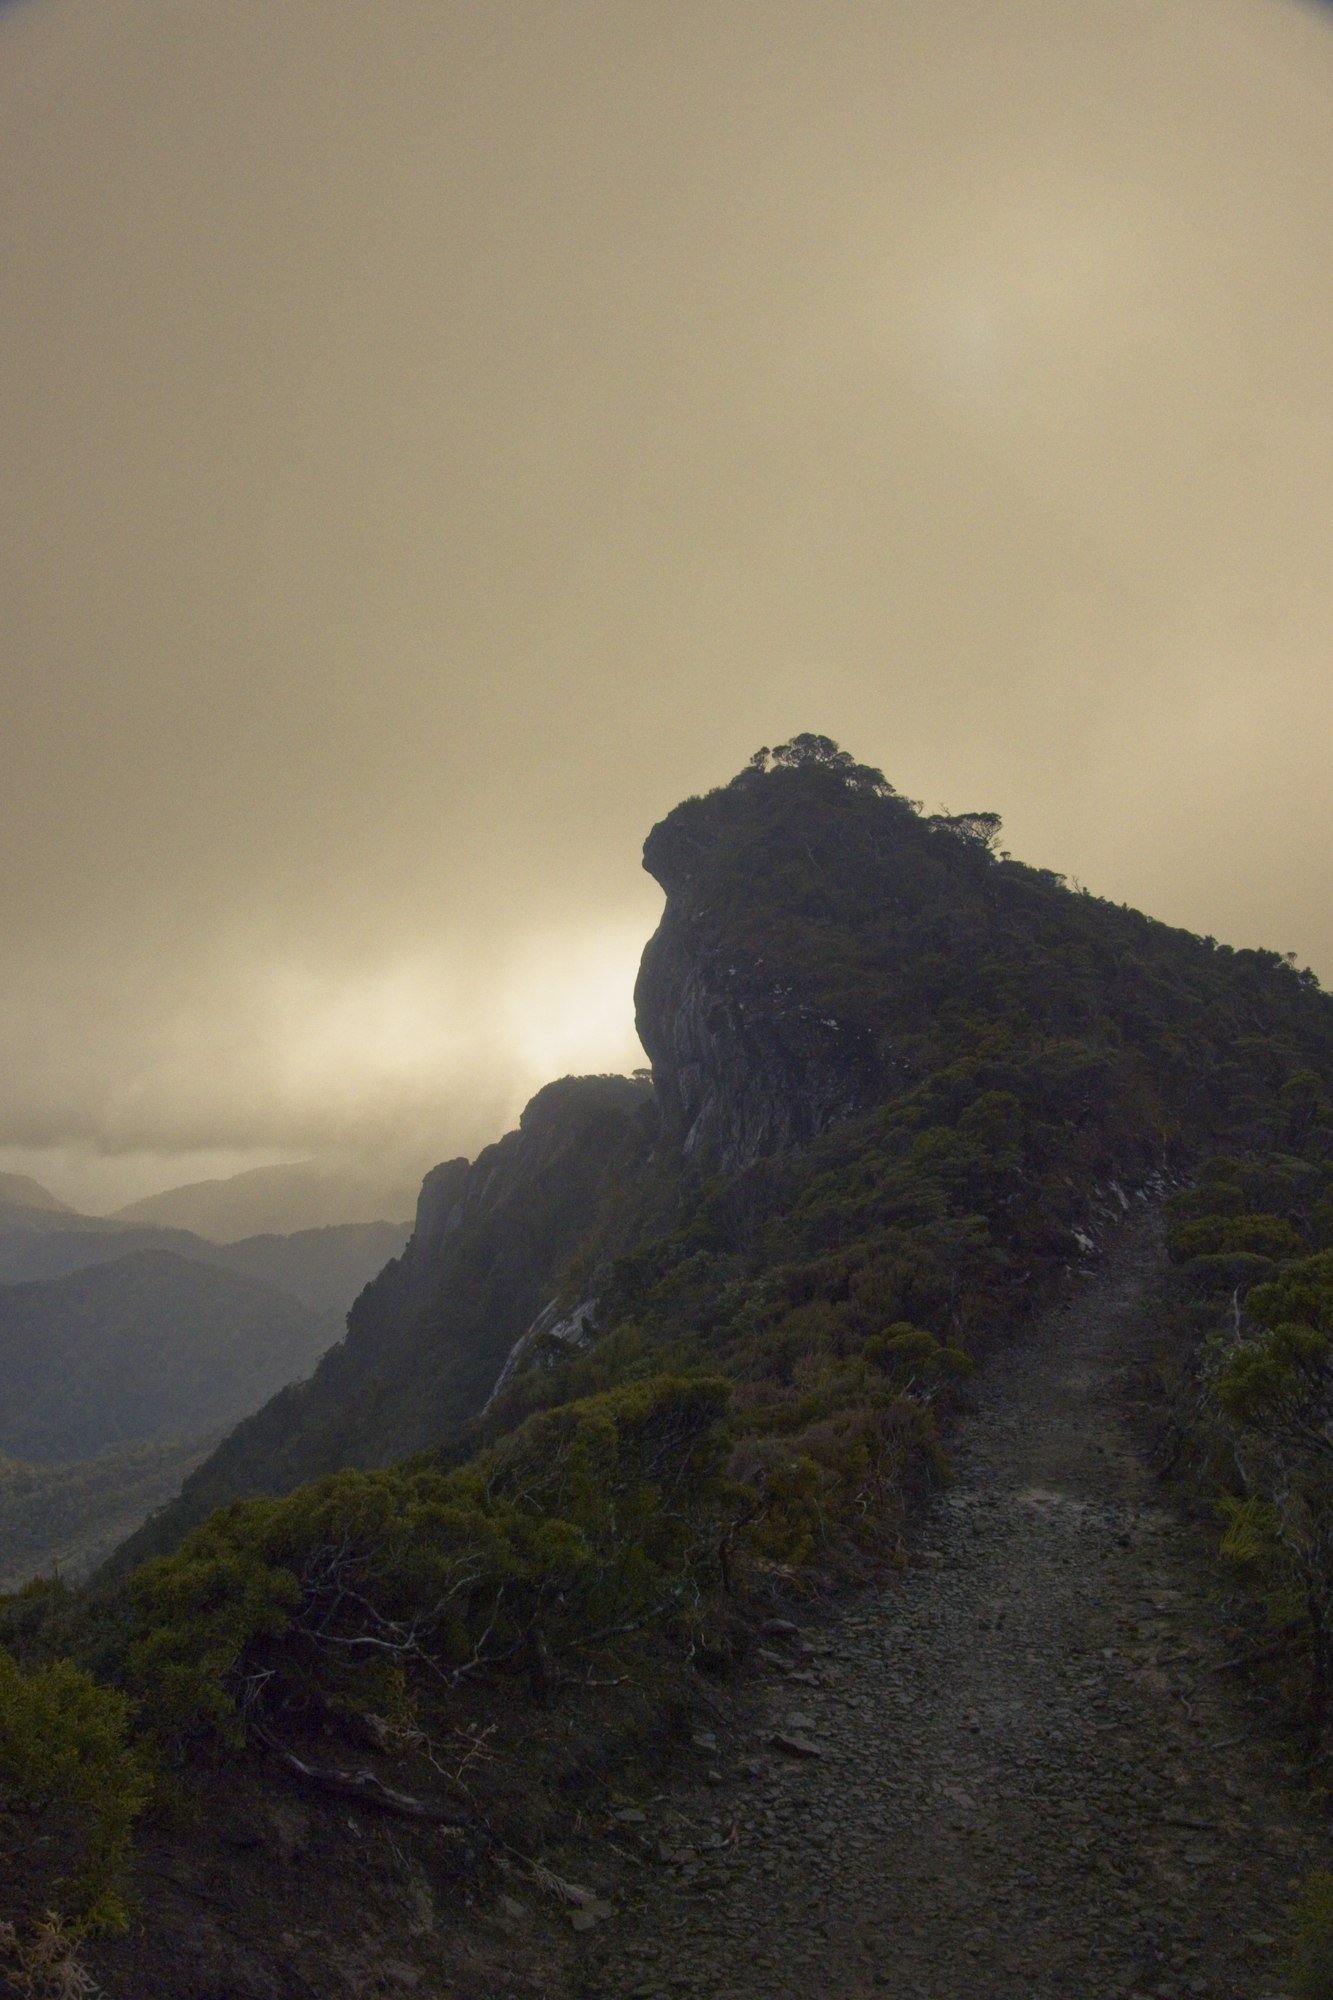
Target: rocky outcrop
[
  {"x": 437, "y": 1206},
  {"x": 554, "y": 1328},
  {"x": 744, "y": 1064}
]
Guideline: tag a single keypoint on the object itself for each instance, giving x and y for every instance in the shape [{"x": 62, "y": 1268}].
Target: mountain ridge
[
  {"x": 427, "y": 1338},
  {"x": 22, "y": 1192},
  {"x": 268, "y": 1201},
  {"x": 905, "y": 1090},
  {"x": 827, "y": 959},
  {"x": 318, "y": 1266}
]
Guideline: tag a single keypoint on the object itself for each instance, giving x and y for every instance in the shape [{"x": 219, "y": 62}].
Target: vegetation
[
  {"x": 1310, "y": 1963},
  {"x": 69, "y": 1783},
  {"x": 990, "y": 1062},
  {"x": 68, "y": 1518},
  {"x": 589, "y": 1524},
  {"x": 426, "y": 1341},
  {"x": 42, "y": 1962},
  {"x": 1252, "y": 1296},
  {"x": 150, "y": 1346}
]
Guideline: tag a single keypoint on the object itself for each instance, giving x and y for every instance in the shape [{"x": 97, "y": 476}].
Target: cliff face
[
  {"x": 824, "y": 951},
  {"x": 741, "y": 1067},
  {"x": 428, "y": 1337},
  {"x": 744, "y": 1062}
]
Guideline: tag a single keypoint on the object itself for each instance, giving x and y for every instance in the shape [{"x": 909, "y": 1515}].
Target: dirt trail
[{"x": 1037, "y": 1777}]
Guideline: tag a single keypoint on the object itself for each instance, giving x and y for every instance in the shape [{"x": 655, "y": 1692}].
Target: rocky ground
[{"x": 1028, "y": 1768}]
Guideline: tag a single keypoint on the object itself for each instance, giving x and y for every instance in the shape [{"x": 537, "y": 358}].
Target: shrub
[
  {"x": 589, "y": 1522},
  {"x": 64, "y": 1762},
  {"x": 1227, "y": 1235},
  {"x": 41, "y": 1962}
]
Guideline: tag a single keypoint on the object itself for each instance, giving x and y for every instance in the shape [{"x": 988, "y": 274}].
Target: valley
[{"x": 127, "y": 1351}]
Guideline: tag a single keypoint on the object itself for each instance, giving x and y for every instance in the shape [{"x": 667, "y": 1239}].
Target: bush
[
  {"x": 64, "y": 1762},
  {"x": 1228, "y": 1235},
  {"x": 41, "y": 1961},
  {"x": 590, "y": 1522}
]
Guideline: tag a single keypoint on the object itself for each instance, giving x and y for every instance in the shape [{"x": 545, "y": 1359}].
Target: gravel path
[{"x": 1035, "y": 1775}]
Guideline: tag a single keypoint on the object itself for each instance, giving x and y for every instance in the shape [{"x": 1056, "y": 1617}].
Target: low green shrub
[
  {"x": 592, "y": 1521},
  {"x": 66, "y": 1766}
]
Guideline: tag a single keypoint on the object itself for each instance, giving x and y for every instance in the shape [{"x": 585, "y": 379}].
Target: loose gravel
[{"x": 1025, "y": 1770}]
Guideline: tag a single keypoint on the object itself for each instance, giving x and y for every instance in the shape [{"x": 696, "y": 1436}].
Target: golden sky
[{"x": 439, "y": 436}]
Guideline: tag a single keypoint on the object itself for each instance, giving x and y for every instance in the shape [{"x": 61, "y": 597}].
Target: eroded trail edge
[{"x": 1037, "y": 1775}]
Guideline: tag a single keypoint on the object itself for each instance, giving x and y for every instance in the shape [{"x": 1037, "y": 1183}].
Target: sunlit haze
[{"x": 438, "y": 438}]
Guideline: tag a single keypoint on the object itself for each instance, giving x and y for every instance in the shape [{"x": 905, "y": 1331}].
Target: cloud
[{"x": 435, "y": 446}]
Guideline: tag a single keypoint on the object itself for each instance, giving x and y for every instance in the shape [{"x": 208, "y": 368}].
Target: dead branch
[{"x": 362, "y": 1786}]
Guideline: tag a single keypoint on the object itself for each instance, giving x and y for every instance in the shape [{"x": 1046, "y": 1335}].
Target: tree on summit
[
  {"x": 982, "y": 829},
  {"x": 808, "y": 752}
]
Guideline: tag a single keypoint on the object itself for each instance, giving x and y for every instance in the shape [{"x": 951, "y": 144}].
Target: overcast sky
[{"x": 437, "y": 437}]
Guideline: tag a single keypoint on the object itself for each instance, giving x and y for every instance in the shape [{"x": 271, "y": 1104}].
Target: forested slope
[
  {"x": 66, "y": 1519},
  {"x": 427, "y": 1338},
  {"x": 148, "y": 1347}
]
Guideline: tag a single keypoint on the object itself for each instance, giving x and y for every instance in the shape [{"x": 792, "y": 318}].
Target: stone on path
[{"x": 1031, "y": 1782}]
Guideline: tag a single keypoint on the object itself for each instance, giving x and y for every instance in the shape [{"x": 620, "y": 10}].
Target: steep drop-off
[
  {"x": 745, "y": 1060},
  {"x": 427, "y": 1338}
]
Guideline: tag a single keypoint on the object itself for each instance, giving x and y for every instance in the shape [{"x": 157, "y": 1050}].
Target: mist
[{"x": 440, "y": 438}]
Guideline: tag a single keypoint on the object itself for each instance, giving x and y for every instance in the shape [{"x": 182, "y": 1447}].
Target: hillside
[
  {"x": 427, "y": 1338},
  {"x": 881, "y": 1052},
  {"x": 1031, "y": 1774},
  {"x": 320, "y": 1267},
  {"x": 25, "y": 1196},
  {"x": 148, "y": 1347},
  {"x": 325, "y": 1268},
  {"x": 269, "y": 1201},
  {"x": 69, "y": 1517},
  {"x": 661, "y": 1371},
  {"x": 77, "y": 1513}
]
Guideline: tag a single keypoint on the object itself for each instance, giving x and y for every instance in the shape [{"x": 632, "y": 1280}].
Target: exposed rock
[
  {"x": 554, "y": 1327},
  {"x": 794, "y": 1745},
  {"x": 743, "y": 1066},
  {"x": 438, "y": 1206}
]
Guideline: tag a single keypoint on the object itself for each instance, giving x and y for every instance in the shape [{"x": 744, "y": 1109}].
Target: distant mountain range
[
  {"x": 321, "y": 1267},
  {"x": 29, "y": 1197},
  {"x": 276, "y": 1200},
  {"x": 126, "y": 1348}
]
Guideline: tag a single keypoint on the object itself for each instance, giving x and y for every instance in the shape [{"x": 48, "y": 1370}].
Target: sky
[{"x": 438, "y": 437}]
